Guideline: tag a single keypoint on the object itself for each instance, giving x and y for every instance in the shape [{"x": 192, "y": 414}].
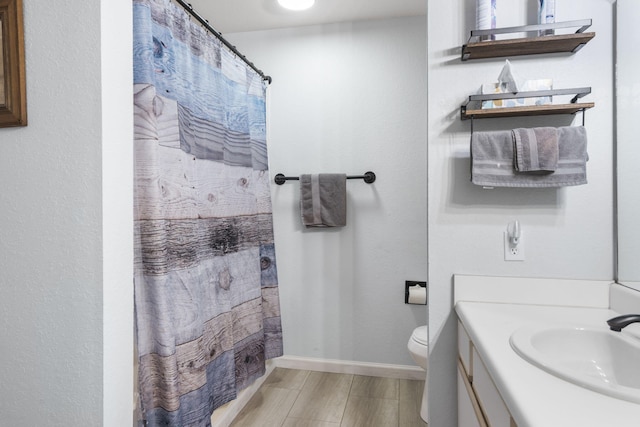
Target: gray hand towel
[
  {"x": 492, "y": 155},
  {"x": 323, "y": 200},
  {"x": 492, "y": 158},
  {"x": 536, "y": 150}
]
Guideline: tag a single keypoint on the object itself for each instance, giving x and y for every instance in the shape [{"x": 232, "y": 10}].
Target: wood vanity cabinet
[{"x": 479, "y": 402}]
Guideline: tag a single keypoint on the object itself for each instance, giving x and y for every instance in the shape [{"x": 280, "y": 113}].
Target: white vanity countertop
[{"x": 534, "y": 397}]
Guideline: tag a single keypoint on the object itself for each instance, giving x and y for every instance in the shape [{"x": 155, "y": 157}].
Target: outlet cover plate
[{"x": 513, "y": 252}]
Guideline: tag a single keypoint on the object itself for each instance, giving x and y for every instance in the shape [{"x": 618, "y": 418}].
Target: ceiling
[{"x": 230, "y": 16}]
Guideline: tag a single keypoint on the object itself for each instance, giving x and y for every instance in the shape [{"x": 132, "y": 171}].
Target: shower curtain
[{"x": 206, "y": 288}]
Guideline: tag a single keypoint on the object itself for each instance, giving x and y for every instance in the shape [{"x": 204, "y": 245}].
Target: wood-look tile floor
[{"x": 296, "y": 398}]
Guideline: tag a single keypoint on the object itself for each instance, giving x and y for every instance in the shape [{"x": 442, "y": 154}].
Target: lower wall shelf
[
  {"x": 571, "y": 107},
  {"x": 534, "y": 110}
]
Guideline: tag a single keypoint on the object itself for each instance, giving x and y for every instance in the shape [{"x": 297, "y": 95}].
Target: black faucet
[{"x": 619, "y": 322}]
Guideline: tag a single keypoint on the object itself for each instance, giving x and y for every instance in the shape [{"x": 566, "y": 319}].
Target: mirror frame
[{"x": 14, "y": 110}]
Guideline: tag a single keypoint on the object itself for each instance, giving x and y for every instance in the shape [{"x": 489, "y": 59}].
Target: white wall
[
  {"x": 349, "y": 97},
  {"x": 567, "y": 232},
  {"x": 66, "y": 337}
]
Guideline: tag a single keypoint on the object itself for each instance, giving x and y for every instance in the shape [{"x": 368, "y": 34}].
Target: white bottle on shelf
[
  {"x": 486, "y": 16},
  {"x": 546, "y": 15}
]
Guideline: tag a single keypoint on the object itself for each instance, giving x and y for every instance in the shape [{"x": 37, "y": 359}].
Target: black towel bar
[{"x": 368, "y": 177}]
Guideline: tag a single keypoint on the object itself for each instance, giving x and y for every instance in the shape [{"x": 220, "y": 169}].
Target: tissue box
[{"x": 527, "y": 86}]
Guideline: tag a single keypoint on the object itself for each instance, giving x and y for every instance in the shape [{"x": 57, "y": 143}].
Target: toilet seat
[
  {"x": 418, "y": 346},
  {"x": 421, "y": 335}
]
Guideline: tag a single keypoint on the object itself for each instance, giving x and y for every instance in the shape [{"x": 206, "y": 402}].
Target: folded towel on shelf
[
  {"x": 536, "y": 150},
  {"x": 492, "y": 155},
  {"x": 323, "y": 200}
]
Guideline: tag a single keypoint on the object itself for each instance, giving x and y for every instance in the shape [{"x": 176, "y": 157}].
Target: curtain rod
[{"x": 189, "y": 8}]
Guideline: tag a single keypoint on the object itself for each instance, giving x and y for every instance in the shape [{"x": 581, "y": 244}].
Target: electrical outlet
[{"x": 513, "y": 252}]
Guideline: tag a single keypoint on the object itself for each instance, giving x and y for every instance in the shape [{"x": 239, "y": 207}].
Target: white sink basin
[{"x": 598, "y": 359}]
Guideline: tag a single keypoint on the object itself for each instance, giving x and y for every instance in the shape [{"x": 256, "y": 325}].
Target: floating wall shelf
[
  {"x": 476, "y": 48},
  {"x": 534, "y": 110}
]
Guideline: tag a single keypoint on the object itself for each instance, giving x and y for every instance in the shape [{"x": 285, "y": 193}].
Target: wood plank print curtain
[{"x": 206, "y": 289}]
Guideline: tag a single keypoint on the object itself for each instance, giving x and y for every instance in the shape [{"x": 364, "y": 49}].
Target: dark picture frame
[{"x": 13, "y": 92}]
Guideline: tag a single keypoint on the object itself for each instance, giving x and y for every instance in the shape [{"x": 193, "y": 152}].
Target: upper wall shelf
[
  {"x": 476, "y": 49},
  {"x": 571, "y": 107}
]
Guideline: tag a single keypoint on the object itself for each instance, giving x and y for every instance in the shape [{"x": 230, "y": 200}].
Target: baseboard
[{"x": 350, "y": 367}]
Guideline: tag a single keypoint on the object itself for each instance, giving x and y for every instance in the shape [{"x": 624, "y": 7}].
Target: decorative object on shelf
[
  {"x": 546, "y": 15},
  {"x": 508, "y": 82},
  {"x": 13, "y": 87},
  {"x": 507, "y": 78},
  {"x": 568, "y": 43},
  {"x": 486, "y": 16},
  {"x": 527, "y": 86}
]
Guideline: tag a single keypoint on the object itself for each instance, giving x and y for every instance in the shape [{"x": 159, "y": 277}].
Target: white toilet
[
  {"x": 419, "y": 346},
  {"x": 419, "y": 349}
]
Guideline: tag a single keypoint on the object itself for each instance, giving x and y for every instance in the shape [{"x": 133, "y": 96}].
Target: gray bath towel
[
  {"x": 492, "y": 156},
  {"x": 536, "y": 150},
  {"x": 323, "y": 200}
]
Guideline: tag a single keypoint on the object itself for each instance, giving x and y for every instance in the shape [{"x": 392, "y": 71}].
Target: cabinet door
[
  {"x": 492, "y": 405},
  {"x": 464, "y": 350},
  {"x": 469, "y": 414}
]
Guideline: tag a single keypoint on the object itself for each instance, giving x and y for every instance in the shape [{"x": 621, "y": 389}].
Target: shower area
[
  {"x": 206, "y": 286},
  {"x": 210, "y": 305}
]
